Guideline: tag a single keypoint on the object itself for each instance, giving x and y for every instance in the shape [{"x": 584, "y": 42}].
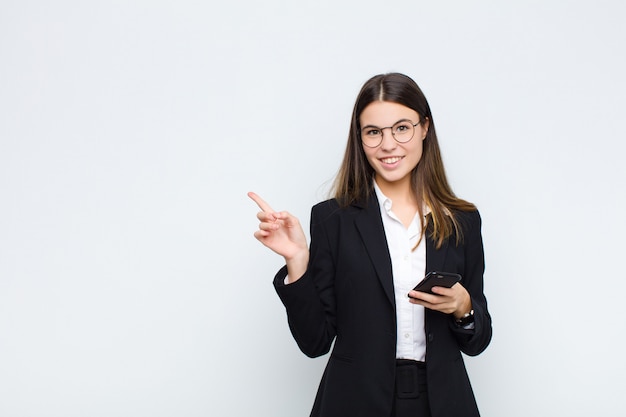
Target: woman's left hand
[{"x": 455, "y": 300}]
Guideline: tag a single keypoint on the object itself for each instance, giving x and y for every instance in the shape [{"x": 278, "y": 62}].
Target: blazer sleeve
[
  {"x": 310, "y": 301},
  {"x": 474, "y": 341}
]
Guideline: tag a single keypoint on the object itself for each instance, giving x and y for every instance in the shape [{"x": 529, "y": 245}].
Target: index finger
[{"x": 260, "y": 202}]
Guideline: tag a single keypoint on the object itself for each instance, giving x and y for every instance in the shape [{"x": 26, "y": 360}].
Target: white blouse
[{"x": 408, "y": 268}]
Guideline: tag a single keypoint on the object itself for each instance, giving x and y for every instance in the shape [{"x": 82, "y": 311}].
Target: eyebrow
[{"x": 395, "y": 123}]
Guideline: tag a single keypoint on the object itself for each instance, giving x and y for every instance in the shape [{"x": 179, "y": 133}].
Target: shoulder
[
  {"x": 334, "y": 207},
  {"x": 325, "y": 210},
  {"x": 468, "y": 220},
  {"x": 471, "y": 216},
  {"x": 332, "y": 211},
  {"x": 330, "y": 204},
  {"x": 469, "y": 225}
]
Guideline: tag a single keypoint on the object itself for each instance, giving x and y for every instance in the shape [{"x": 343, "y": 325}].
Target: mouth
[{"x": 390, "y": 160}]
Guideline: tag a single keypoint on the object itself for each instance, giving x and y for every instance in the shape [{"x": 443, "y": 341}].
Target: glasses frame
[{"x": 393, "y": 135}]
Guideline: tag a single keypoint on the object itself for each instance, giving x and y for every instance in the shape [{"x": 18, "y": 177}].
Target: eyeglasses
[{"x": 402, "y": 132}]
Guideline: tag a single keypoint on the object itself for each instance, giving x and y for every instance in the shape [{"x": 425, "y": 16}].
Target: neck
[{"x": 399, "y": 192}]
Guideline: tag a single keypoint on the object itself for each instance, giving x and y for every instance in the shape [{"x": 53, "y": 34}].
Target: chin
[{"x": 392, "y": 179}]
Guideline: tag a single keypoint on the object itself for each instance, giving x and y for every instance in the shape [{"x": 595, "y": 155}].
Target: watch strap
[{"x": 467, "y": 319}]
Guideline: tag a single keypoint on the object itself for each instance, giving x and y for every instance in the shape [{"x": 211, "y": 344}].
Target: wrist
[
  {"x": 464, "y": 308},
  {"x": 299, "y": 258},
  {"x": 297, "y": 265},
  {"x": 465, "y": 320}
]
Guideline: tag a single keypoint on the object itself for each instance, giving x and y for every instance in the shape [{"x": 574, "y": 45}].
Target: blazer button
[{"x": 430, "y": 337}]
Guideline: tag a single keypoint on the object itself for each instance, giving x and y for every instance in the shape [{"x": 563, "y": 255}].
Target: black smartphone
[{"x": 437, "y": 279}]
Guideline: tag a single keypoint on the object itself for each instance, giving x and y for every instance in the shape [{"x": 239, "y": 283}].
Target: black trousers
[{"x": 411, "y": 390}]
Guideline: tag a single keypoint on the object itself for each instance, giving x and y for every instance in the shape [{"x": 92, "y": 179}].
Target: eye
[
  {"x": 372, "y": 132},
  {"x": 402, "y": 127}
]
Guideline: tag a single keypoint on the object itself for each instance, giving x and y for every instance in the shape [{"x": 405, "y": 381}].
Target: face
[{"x": 392, "y": 161}]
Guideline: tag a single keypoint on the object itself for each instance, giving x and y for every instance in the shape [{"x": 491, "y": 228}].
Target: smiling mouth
[{"x": 391, "y": 160}]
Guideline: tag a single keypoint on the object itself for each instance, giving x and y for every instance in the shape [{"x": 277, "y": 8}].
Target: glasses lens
[
  {"x": 371, "y": 136},
  {"x": 403, "y": 131}
]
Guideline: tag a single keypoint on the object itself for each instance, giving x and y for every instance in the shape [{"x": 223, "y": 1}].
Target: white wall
[{"x": 130, "y": 132}]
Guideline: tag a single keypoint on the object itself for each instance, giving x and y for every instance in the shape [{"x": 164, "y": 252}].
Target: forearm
[
  {"x": 474, "y": 341},
  {"x": 310, "y": 323}
]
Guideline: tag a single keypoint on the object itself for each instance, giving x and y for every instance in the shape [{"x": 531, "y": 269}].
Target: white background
[{"x": 130, "y": 132}]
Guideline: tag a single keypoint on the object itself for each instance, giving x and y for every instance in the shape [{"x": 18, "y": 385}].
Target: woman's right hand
[{"x": 282, "y": 233}]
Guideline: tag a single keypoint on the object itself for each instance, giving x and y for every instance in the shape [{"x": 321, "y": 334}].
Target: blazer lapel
[
  {"x": 435, "y": 258},
  {"x": 370, "y": 226}
]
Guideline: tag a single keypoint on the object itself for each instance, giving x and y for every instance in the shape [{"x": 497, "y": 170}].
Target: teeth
[{"x": 390, "y": 160}]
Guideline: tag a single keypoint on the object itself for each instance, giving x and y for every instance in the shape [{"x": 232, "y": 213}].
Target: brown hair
[{"x": 354, "y": 181}]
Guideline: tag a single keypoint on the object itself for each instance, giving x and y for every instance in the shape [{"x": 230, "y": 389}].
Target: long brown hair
[{"x": 354, "y": 181}]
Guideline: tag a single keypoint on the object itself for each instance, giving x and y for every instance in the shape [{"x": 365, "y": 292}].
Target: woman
[{"x": 393, "y": 218}]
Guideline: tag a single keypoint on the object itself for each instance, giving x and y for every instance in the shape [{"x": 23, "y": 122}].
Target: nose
[{"x": 388, "y": 141}]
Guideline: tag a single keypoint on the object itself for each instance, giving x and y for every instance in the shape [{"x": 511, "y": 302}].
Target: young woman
[{"x": 393, "y": 218}]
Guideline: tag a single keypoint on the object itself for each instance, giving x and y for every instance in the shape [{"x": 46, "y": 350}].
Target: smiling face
[{"x": 392, "y": 161}]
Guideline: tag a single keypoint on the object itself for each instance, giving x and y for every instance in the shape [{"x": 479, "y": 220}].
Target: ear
[{"x": 425, "y": 125}]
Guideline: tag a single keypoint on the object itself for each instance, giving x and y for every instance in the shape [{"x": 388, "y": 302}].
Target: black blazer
[{"x": 347, "y": 296}]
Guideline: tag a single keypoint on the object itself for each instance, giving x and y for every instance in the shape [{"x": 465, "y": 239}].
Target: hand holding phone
[{"x": 437, "y": 279}]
